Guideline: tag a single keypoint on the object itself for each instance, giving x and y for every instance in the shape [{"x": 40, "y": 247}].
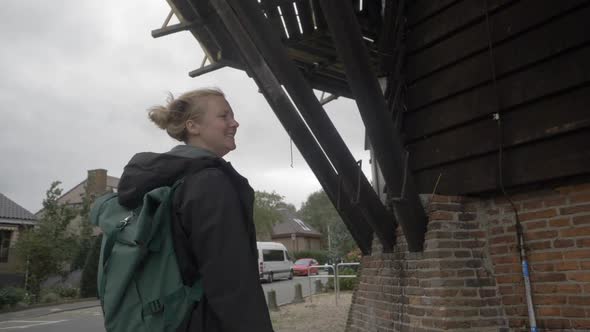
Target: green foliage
[
  {"x": 319, "y": 212},
  {"x": 50, "y": 297},
  {"x": 84, "y": 240},
  {"x": 62, "y": 292},
  {"x": 10, "y": 296},
  {"x": 88, "y": 281},
  {"x": 266, "y": 213},
  {"x": 344, "y": 283},
  {"x": 321, "y": 256},
  {"x": 353, "y": 256},
  {"x": 46, "y": 249}
]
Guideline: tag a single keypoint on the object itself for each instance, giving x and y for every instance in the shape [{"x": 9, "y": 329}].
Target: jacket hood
[{"x": 147, "y": 171}]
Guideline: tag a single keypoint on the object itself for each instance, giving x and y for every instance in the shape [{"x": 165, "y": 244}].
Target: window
[
  {"x": 4, "y": 245},
  {"x": 272, "y": 255}
]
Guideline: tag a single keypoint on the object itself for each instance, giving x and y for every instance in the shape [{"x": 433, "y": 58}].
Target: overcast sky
[{"x": 76, "y": 78}]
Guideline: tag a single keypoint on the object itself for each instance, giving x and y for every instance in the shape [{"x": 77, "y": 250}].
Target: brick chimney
[{"x": 96, "y": 183}]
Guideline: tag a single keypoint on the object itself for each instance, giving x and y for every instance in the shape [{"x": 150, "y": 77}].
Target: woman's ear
[{"x": 192, "y": 127}]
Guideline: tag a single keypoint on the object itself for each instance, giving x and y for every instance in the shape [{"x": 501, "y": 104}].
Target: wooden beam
[
  {"x": 272, "y": 14},
  {"x": 290, "y": 19},
  {"x": 297, "y": 129},
  {"x": 385, "y": 140},
  {"x": 354, "y": 182},
  {"x": 306, "y": 16}
]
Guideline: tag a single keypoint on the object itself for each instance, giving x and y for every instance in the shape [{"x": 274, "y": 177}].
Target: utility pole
[{"x": 329, "y": 241}]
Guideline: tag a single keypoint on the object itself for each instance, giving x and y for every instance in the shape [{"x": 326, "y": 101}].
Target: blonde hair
[{"x": 189, "y": 106}]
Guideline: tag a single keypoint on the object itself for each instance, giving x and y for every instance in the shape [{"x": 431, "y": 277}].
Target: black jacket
[{"x": 215, "y": 230}]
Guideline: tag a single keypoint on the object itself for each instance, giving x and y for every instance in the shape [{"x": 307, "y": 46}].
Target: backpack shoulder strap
[{"x": 97, "y": 207}]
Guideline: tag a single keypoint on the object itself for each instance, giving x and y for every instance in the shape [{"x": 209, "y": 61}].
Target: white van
[{"x": 274, "y": 261}]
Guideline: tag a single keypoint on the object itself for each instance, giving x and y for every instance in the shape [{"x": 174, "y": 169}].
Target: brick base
[{"x": 468, "y": 278}]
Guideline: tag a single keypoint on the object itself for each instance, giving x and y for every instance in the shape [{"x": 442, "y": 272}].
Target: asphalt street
[{"x": 87, "y": 316}]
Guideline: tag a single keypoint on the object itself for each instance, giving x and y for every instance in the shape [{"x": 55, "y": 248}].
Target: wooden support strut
[
  {"x": 385, "y": 140},
  {"x": 295, "y": 126},
  {"x": 252, "y": 22}
]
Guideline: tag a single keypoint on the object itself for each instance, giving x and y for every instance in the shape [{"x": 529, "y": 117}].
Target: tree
[
  {"x": 85, "y": 238},
  {"x": 48, "y": 247},
  {"x": 88, "y": 281},
  {"x": 319, "y": 212},
  {"x": 266, "y": 212}
]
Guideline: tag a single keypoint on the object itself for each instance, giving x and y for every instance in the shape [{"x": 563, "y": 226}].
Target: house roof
[
  {"x": 11, "y": 210},
  {"x": 74, "y": 195},
  {"x": 292, "y": 225}
]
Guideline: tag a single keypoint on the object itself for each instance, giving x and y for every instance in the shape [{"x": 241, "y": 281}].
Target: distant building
[
  {"x": 97, "y": 183},
  {"x": 295, "y": 234},
  {"x": 14, "y": 219}
]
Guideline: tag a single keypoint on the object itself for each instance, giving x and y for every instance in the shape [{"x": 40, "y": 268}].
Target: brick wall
[{"x": 469, "y": 277}]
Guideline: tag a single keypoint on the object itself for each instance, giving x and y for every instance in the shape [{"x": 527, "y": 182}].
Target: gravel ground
[{"x": 319, "y": 315}]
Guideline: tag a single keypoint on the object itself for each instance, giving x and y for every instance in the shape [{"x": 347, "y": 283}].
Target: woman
[{"x": 212, "y": 211}]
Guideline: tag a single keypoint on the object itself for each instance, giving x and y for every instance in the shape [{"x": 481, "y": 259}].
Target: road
[{"x": 87, "y": 316}]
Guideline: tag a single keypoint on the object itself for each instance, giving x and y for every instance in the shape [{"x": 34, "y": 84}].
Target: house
[
  {"x": 295, "y": 234},
  {"x": 96, "y": 183},
  {"x": 13, "y": 220}
]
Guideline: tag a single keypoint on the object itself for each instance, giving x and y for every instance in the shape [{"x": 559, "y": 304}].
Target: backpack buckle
[
  {"x": 156, "y": 307},
  {"x": 123, "y": 223}
]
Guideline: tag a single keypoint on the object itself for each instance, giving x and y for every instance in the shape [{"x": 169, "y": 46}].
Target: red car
[{"x": 300, "y": 267}]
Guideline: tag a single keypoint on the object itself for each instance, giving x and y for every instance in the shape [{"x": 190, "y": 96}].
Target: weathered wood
[
  {"x": 549, "y": 40},
  {"x": 287, "y": 114},
  {"x": 385, "y": 140},
  {"x": 553, "y": 116},
  {"x": 420, "y": 10},
  {"x": 565, "y": 156},
  {"x": 274, "y": 17},
  {"x": 320, "y": 20},
  {"x": 449, "y": 21},
  {"x": 506, "y": 23},
  {"x": 566, "y": 72},
  {"x": 354, "y": 183},
  {"x": 306, "y": 16},
  {"x": 291, "y": 21}
]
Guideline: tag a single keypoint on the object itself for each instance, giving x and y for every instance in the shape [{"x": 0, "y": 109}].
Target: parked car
[
  {"x": 274, "y": 261},
  {"x": 301, "y": 266}
]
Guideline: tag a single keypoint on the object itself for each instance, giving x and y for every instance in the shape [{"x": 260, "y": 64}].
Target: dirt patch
[{"x": 319, "y": 315}]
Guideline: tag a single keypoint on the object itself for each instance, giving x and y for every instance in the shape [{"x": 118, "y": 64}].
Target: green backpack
[{"x": 139, "y": 281}]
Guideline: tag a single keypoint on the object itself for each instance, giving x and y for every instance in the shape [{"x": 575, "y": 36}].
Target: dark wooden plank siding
[
  {"x": 507, "y": 23},
  {"x": 449, "y": 21},
  {"x": 420, "y": 10},
  {"x": 552, "y": 116},
  {"x": 513, "y": 55},
  {"x": 562, "y": 157},
  {"x": 541, "y": 59},
  {"x": 561, "y": 73}
]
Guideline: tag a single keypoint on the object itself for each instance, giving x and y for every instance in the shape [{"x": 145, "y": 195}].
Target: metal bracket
[
  {"x": 339, "y": 196},
  {"x": 358, "y": 182},
  {"x": 402, "y": 194},
  {"x": 167, "y": 30},
  {"x": 328, "y": 99}
]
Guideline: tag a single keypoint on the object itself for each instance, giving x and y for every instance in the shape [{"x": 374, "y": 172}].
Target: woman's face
[{"x": 216, "y": 129}]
